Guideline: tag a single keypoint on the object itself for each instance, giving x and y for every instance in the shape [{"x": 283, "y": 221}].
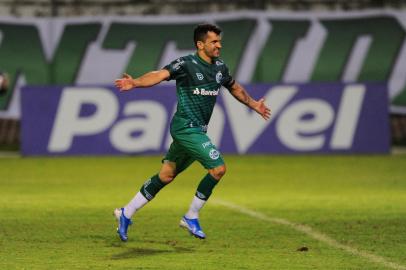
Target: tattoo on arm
[{"x": 240, "y": 94}]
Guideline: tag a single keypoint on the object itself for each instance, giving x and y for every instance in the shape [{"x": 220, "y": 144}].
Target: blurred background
[
  {"x": 341, "y": 42},
  {"x": 43, "y": 8}
]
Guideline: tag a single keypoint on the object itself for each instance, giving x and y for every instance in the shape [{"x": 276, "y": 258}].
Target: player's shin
[
  {"x": 203, "y": 192},
  {"x": 147, "y": 192}
]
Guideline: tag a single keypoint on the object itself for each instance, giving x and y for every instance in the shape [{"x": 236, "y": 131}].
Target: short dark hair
[{"x": 201, "y": 31}]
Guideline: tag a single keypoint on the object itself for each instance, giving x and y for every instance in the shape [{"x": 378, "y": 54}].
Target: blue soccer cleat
[
  {"x": 123, "y": 224},
  {"x": 193, "y": 226}
]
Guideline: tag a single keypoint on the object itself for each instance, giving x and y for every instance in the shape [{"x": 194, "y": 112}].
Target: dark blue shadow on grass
[{"x": 141, "y": 252}]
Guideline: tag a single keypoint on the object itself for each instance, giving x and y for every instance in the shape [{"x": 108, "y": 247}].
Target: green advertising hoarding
[{"x": 259, "y": 47}]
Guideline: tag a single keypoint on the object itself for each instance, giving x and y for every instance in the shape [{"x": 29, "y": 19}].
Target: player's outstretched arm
[
  {"x": 148, "y": 79},
  {"x": 257, "y": 105}
]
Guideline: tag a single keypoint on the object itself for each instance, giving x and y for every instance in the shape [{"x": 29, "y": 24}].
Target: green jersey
[{"x": 198, "y": 84}]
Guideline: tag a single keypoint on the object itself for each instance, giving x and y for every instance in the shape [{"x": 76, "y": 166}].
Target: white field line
[{"x": 312, "y": 233}]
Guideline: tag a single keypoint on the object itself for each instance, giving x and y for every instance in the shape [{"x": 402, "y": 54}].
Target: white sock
[
  {"x": 136, "y": 203},
  {"x": 195, "y": 207}
]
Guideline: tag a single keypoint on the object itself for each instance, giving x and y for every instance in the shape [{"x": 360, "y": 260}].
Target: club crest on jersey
[
  {"x": 214, "y": 154},
  {"x": 219, "y": 76},
  {"x": 199, "y": 76}
]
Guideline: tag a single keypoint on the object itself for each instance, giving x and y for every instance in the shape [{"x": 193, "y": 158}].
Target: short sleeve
[
  {"x": 175, "y": 69},
  {"x": 228, "y": 80}
]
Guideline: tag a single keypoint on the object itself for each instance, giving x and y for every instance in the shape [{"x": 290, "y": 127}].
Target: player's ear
[{"x": 200, "y": 45}]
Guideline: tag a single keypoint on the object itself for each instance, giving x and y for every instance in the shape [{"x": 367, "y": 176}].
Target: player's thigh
[
  {"x": 177, "y": 158},
  {"x": 201, "y": 148}
]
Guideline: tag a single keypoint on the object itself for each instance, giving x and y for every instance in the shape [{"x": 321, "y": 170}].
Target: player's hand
[
  {"x": 262, "y": 109},
  {"x": 125, "y": 83}
]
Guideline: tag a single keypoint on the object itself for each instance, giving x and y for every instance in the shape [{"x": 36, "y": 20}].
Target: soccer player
[{"x": 199, "y": 78}]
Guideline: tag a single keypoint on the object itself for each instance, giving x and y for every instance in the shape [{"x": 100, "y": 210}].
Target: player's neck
[{"x": 204, "y": 57}]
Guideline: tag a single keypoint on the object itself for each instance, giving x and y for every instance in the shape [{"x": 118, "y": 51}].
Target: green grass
[{"x": 56, "y": 213}]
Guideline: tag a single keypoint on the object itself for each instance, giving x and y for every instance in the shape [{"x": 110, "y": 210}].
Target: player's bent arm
[
  {"x": 241, "y": 95},
  {"x": 146, "y": 80}
]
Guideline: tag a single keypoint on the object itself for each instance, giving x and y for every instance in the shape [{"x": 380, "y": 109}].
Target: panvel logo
[
  {"x": 70, "y": 124},
  {"x": 302, "y": 124},
  {"x": 299, "y": 123},
  {"x": 204, "y": 92}
]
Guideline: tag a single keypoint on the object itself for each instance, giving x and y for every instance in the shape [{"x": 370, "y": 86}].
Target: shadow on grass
[{"x": 170, "y": 247}]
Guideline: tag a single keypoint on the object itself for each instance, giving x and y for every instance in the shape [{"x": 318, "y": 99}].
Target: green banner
[{"x": 258, "y": 47}]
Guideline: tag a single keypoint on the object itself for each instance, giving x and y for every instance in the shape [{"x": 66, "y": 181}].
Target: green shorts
[{"x": 190, "y": 144}]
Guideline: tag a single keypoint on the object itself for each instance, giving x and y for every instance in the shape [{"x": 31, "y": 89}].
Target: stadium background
[
  {"x": 353, "y": 204},
  {"x": 379, "y": 66}
]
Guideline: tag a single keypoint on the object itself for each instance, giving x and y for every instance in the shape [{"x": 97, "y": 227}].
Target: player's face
[{"x": 212, "y": 45}]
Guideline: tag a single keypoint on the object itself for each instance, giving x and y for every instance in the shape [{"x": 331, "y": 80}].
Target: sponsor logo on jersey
[
  {"x": 214, "y": 154},
  {"x": 204, "y": 92},
  {"x": 199, "y": 76},
  {"x": 219, "y": 76},
  {"x": 178, "y": 63},
  {"x": 205, "y": 144},
  {"x": 219, "y": 63}
]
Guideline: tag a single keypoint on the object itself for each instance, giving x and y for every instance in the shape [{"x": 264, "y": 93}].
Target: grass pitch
[{"x": 56, "y": 213}]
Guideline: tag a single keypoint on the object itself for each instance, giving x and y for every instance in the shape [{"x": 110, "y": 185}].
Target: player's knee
[
  {"x": 168, "y": 172},
  {"x": 167, "y": 177},
  {"x": 218, "y": 172}
]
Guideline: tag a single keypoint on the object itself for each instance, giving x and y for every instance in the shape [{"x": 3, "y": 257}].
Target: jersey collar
[{"x": 204, "y": 62}]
